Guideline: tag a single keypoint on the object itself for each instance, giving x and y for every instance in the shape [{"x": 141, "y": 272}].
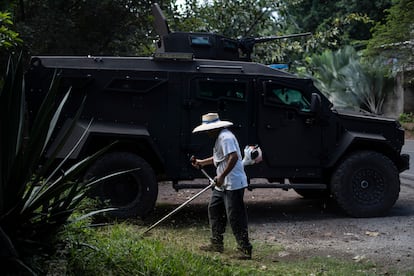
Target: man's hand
[
  {"x": 219, "y": 180},
  {"x": 195, "y": 162},
  {"x": 198, "y": 163},
  {"x": 232, "y": 160}
]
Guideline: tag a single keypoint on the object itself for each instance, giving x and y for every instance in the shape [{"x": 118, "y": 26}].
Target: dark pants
[{"x": 228, "y": 205}]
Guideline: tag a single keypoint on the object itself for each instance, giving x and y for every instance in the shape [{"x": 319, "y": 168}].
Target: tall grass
[{"x": 121, "y": 250}]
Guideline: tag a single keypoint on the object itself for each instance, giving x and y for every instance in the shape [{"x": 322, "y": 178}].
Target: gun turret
[{"x": 206, "y": 45}]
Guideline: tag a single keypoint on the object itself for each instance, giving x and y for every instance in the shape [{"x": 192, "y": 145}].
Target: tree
[
  {"x": 314, "y": 16},
  {"x": 242, "y": 19},
  {"x": 395, "y": 37},
  {"x": 8, "y": 37},
  {"x": 106, "y": 27},
  {"x": 374, "y": 10},
  {"x": 9, "y": 40},
  {"x": 235, "y": 19}
]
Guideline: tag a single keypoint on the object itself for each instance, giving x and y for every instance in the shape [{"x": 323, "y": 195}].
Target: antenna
[{"x": 160, "y": 22}]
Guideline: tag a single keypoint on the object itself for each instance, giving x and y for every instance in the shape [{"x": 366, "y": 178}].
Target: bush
[{"x": 406, "y": 118}]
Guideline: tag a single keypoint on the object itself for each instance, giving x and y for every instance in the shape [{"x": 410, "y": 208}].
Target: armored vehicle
[{"x": 150, "y": 105}]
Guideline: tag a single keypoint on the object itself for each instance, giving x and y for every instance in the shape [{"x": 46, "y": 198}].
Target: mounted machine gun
[{"x": 206, "y": 45}]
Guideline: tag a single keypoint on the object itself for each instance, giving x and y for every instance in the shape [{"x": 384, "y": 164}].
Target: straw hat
[{"x": 211, "y": 121}]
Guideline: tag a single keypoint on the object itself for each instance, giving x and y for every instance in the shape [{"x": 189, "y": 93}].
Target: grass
[{"x": 120, "y": 249}]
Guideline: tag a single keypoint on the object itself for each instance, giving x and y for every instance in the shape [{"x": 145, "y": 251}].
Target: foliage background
[{"x": 124, "y": 27}]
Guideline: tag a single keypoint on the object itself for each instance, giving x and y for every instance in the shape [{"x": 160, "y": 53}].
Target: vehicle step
[
  {"x": 288, "y": 186},
  {"x": 180, "y": 186}
]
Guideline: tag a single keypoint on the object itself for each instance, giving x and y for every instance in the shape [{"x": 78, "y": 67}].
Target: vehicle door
[
  {"x": 288, "y": 132},
  {"x": 228, "y": 96}
]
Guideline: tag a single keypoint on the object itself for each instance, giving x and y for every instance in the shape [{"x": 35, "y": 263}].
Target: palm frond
[{"x": 348, "y": 82}]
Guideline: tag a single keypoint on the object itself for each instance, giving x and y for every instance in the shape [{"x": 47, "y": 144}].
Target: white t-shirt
[{"x": 226, "y": 143}]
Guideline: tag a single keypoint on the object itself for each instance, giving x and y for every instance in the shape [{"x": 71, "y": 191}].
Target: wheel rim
[{"x": 368, "y": 186}]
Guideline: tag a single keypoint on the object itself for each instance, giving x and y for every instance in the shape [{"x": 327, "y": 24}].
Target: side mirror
[{"x": 315, "y": 103}]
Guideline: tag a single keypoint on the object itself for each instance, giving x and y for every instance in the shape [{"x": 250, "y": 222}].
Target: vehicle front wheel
[
  {"x": 133, "y": 194},
  {"x": 366, "y": 184}
]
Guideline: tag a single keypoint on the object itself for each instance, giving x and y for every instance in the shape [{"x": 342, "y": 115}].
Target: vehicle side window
[
  {"x": 280, "y": 95},
  {"x": 233, "y": 90}
]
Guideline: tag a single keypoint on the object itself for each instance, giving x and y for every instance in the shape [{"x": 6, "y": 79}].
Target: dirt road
[{"x": 313, "y": 228}]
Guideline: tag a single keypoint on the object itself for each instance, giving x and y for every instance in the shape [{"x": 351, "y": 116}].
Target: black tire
[
  {"x": 134, "y": 194},
  {"x": 366, "y": 184}
]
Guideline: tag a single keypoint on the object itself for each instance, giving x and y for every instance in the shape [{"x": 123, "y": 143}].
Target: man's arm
[
  {"x": 202, "y": 162},
  {"x": 230, "y": 165}
]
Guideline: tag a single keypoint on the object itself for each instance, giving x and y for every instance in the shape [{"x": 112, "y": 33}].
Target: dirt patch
[
  {"x": 409, "y": 130},
  {"x": 409, "y": 134},
  {"x": 308, "y": 228}
]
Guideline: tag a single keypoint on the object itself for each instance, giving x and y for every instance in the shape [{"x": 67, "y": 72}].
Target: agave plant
[
  {"x": 36, "y": 197},
  {"x": 348, "y": 82}
]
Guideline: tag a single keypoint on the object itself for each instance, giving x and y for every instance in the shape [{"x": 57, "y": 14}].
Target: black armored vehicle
[{"x": 150, "y": 105}]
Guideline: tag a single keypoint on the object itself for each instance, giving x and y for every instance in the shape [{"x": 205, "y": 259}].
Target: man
[{"x": 227, "y": 198}]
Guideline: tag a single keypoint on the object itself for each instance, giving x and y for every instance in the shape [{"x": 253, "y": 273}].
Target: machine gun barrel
[
  {"x": 247, "y": 44},
  {"x": 270, "y": 38}
]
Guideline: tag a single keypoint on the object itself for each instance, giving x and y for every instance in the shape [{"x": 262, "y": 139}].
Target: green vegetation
[
  {"x": 37, "y": 196},
  {"x": 125, "y": 27},
  {"x": 406, "y": 117},
  {"x": 8, "y": 37},
  {"x": 316, "y": 16},
  {"x": 33, "y": 205},
  {"x": 121, "y": 250},
  {"x": 390, "y": 37},
  {"x": 407, "y": 122},
  {"x": 349, "y": 81}
]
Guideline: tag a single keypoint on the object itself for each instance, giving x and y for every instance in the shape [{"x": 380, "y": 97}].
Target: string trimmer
[
  {"x": 212, "y": 183},
  {"x": 252, "y": 155}
]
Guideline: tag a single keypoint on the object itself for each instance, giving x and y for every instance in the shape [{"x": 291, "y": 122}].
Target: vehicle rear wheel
[
  {"x": 366, "y": 184},
  {"x": 134, "y": 194}
]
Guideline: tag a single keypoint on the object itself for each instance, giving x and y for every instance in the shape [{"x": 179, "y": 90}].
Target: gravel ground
[{"x": 307, "y": 228}]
